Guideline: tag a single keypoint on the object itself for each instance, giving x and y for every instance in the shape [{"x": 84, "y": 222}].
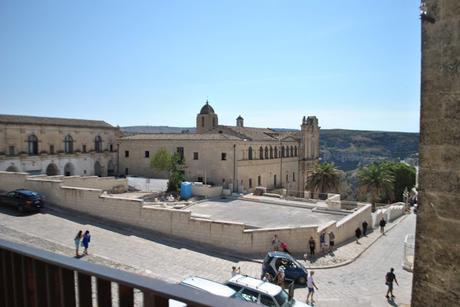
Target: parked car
[
  {"x": 24, "y": 200},
  {"x": 293, "y": 270},
  {"x": 262, "y": 292}
]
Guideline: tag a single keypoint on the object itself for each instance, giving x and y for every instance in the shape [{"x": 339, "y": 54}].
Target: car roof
[
  {"x": 26, "y": 192},
  {"x": 255, "y": 284},
  {"x": 208, "y": 286},
  {"x": 279, "y": 255}
]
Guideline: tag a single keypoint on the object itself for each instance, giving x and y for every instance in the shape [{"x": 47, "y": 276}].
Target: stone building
[
  {"x": 437, "y": 250},
  {"x": 237, "y": 157},
  {"x": 57, "y": 146}
]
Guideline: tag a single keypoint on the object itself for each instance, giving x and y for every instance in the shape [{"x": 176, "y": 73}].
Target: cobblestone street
[{"x": 360, "y": 283}]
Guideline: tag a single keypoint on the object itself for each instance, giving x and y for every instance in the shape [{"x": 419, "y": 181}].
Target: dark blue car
[{"x": 293, "y": 270}]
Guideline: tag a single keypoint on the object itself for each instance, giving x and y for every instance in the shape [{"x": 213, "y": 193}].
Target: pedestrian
[
  {"x": 275, "y": 243},
  {"x": 331, "y": 241},
  {"x": 364, "y": 228},
  {"x": 77, "y": 243},
  {"x": 357, "y": 234},
  {"x": 322, "y": 241},
  {"x": 382, "y": 225},
  {"x": 279, "y": 278},
  {"x": 311, "y": 287},
  {"x": 389, "y": 278},
  {"x": 284, "y": 247},
  {"x": 267, "y": 277},
  {"x": 312, "y": 245},
  {"x": 235, "y": 270},
  {"x": 85, "y": 241}
]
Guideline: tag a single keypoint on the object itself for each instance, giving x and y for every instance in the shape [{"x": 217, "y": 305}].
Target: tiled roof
[
  {"x": 181, "y": 136},
  {"x": 251, "y": 134},
  {"x": 52, "y": 121}
]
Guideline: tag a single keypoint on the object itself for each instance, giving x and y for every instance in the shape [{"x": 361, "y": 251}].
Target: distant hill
[{"x": 348, "y": 149}]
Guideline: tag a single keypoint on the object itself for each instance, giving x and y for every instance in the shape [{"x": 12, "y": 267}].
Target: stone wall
[
  {"x": 389, "y": 213},
  {"x": 437, "y": 252}
]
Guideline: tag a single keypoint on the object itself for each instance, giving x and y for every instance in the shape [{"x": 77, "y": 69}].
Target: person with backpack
[{"x": 389, "y": 278}]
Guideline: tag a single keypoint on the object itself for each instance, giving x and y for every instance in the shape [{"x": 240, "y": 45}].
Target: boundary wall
[{"x": 174, "y": 222}]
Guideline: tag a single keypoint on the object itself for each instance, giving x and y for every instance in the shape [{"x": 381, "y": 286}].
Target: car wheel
[{"x": 301, "y": 280}]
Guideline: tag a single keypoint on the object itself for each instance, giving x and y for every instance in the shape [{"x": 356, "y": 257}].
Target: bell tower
[{"x": 206, "y": 120}]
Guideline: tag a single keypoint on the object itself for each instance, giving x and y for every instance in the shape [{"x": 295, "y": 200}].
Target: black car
[
  {"x": 293, "y": 270},
  {"x": 24, "y": 200}
]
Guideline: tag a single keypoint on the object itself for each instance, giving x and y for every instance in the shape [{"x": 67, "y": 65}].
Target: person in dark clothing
[
  {"x": 85, "y": 241},
  {"x": 312, "y": 245},
  {"x": 358, "y": 234},
  {"x": 389, "y": 278},
  {"x": 382, "y": 225},
  {"x": 364, "y": 228}
]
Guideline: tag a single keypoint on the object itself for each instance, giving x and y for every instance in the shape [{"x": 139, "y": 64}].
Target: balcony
[{"x": 33, "y": 277}]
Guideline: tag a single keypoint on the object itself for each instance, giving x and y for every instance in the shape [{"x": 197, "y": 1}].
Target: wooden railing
[{"x": 34, "y": 277}]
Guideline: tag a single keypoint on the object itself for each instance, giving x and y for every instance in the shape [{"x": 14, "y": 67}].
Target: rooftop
[{"x": 52, "y": 121}]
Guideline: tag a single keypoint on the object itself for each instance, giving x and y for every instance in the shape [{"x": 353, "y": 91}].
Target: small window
[
  {"x": 200, "y": 179},
  {"x": 224, "y": 156},
  {"x": 250, "y": 183},
  {"x": 126, "y": 153},
  {"x": 83, "y": 148},
  {"x": 180, "y": 152},
  {"x": 250, "y": 153},
  {"x": 274, "y": 180},
  {"x": 147, "y": 154},
  {"x": 111, "y": 147},
  {"x": 126, "y": 171},
  {"x": 287, "y": 178},
  {"x": 84, "y": 172},
  {"x": 202, "y": 122},
  {"x": 293, "y": 177},
  {"x": 259, "y": 180},
  {"x": 195, "y": 156},
  {"x": 11, "y": 151},
  {"x": 51, "y": 149}
]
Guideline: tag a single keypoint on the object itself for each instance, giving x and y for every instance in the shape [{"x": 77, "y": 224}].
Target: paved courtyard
[
  {"x": 258, "y": 214},
  {"x": 360, "y": 283}
]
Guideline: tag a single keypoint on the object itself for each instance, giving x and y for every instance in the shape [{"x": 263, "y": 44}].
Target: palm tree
[
  {"x": 377, "y": 181},
  {"x": 325, "y": 178}
]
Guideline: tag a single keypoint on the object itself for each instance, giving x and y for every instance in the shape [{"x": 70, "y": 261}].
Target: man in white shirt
[{"x": 311, "y": 287}]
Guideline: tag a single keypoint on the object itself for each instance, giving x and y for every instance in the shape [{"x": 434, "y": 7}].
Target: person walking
[
  {"x": 357, "y": 234},
  {"x": 275, "y": 243},
  {"x": 382, "y": 224},
  {"x": 85, "y": 241},
  {"x": 364, "y": 228},
  {"x": 331, "y": 241},
  {"x": 311, "y": 288},
  {"x": 280, "y": 276},
  {"x": 322, "y": 241},
  {"x": 235, "y": 270},
  {"x": 312, "y": 245},
  {"x": 389, "y": 278},
  {"x": 77, "y": 240}
]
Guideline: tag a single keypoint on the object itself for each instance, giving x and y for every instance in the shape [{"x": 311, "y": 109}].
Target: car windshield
[{"x": 283, "y": 299}]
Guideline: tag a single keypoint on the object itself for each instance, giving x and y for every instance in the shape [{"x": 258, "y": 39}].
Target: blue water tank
[{"x": 186, "y": 190}]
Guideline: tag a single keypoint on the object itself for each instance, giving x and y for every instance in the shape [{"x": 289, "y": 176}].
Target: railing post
[
  {"x": 67, "y": 287},
  {"x": 31, "y": 287},
  {"x": 126, "y": 295},
  {"x": 84, "y": 290},
  {"x": 104, "y": 293},
  {"x": 152, "y": 300}
]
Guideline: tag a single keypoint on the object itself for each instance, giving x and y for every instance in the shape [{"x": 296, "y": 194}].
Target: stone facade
[
  {"x": 238, "y": 158},
  {"x": 437, "y": 251},
  {"x": 57, "y": 146}
]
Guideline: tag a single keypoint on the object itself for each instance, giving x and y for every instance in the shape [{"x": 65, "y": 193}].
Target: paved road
[{"x": 358, "y": 284}]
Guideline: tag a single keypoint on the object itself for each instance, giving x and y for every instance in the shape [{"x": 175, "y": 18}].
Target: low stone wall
[
  {"x": 206, "y": 190},
  {"x": 178, "y": 223},
  {"x": 389, "y": 213},
  {"x": 104, "y": 183}
]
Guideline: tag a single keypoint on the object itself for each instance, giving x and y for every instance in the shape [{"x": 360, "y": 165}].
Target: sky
[{"x": 354, "y": 64}]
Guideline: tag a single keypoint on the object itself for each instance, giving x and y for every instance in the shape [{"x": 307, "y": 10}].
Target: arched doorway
[
  {"x": 69, "y": 169},
  {"x": 12, "y": 168},
  {"x": 97, "y": 169},
  {"x": 52, "y": 170},
  {"x": 110, "y": 168}
]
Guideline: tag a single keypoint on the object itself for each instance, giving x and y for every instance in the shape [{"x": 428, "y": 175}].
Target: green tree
[
  {"x": 404, "y": 177},
  {"x": 163, "y": 161},
  {"x": 325, "y": 178},
  {"x": 377, "y": 182}
]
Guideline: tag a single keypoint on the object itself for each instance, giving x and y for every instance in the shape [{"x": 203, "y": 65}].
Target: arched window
[
  {"x": 282, "y": 152},
  {"x": 271, "y": 152},
  {"x": 98, "y": 144},
  {"x": 250, "y": 153},
  {"x": 261, "y": 153},
  {"x": 68, "y": 144},
  {"x": 266, "y": 152},
  {"x": 202, "y": 121},
  {"x": 287, "y": 151},
  {"x": 276, "y": 152},
  {"x": 292, "y": 151},
  {"x": 32, "y": 142},
  {"x": 295, "y": 151}
]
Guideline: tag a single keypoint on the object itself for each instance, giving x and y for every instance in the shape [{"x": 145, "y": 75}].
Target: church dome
[{"x": 207, "y": 109}]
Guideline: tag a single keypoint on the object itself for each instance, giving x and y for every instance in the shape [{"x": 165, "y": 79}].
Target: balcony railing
[{"x": 34, "y": 277}]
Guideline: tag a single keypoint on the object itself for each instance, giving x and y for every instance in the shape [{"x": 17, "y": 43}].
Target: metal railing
[{"x": 34, "y": 277}]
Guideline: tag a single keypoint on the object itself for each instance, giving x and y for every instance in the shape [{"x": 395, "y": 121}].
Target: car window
[
  {"x": 282, "y": 298},
  {"x": 234, "y": 287},
  {"x": 248, "y": 295},
  {"x": 267, "y": 301}
]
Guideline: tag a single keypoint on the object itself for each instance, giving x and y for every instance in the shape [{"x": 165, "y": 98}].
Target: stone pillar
[{"x": 437, "y": 250}]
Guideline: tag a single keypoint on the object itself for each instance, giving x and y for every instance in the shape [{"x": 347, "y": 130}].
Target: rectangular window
[
  {"x": 111, "y": 147},
  {"x": 259, "y": 181},
  {"x": 83, "y": 148},
  {"x": 293, "y": 177},
  {"x": 195, "y": 156},
  {"x": 51, "y": 149},
  {"x": 287, "y": 178},
  {"x": 200, "y": 179},
  {"x": 147, "y": 154},
  {"x": 223, "y": 156},
  {"x": 126, "y": 153},
  {"x": 126, "y": 171},
  {"x": 250, "y": 183},
  {"x": 180, "y": 151},
  {"x": 11, "y": 151}
]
